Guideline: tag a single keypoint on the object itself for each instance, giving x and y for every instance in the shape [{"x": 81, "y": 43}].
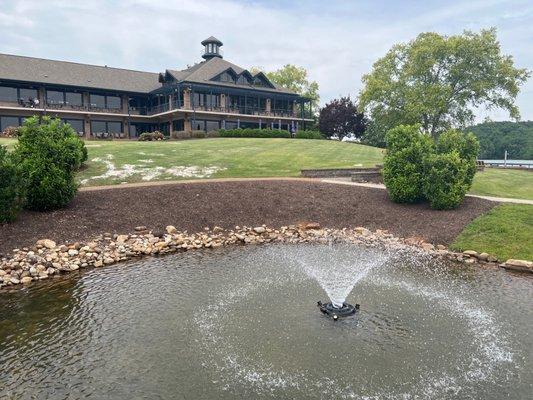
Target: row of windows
[
  {"x": 13, "y": 94},
  {"x": 77, "y": 125}
]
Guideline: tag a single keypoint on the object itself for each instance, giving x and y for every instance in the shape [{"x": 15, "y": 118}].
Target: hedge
[
  {"x": 12, "y": 187},
  {"x": 308, "y": 135},
  {"x": 254, "y": 133}
]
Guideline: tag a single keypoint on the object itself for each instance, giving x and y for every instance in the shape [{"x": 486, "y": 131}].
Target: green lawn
[
  {"x": 504, "y": 183},
  {"x": 113, "y": 162},
  {"x": 506, "y": 232}
]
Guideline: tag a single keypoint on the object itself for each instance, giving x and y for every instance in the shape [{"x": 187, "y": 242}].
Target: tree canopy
[
  {"x": 340, "y": 118},
  {"x": 496, "y": 137},
  {"x": 437, "y": 81},
  {"x": 296, "y": 79}
]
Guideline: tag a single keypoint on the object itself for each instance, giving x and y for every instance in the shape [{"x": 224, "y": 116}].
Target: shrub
[
  {"x": 467, "y": 147},
  {"x": 12, "y": 187},
  {"x": 418, "y": 168},
  {"x": 309, "y": 135},
  {"x": 149, "y": 136},
  {"x": 10, "y": 132},
  {"x": 254, "y": 133},
  {"x": 52, "y": 186},
  {"x": 403, "y": 168},
  {"x": 446, "y": 180},
  {"x": 49, "y": 152}
]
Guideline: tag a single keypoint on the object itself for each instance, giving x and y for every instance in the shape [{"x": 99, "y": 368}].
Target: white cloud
[{"x": 336, "y": 41}]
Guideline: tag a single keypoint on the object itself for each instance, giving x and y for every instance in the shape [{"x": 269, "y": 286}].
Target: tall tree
[
  {"x": 296, "y": 79},
  {"x": 438, "y": 81},
  {"x": 340, "y": 118}
]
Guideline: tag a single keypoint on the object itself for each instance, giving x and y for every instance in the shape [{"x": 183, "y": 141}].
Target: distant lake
[{"x": 523, "y": 163}]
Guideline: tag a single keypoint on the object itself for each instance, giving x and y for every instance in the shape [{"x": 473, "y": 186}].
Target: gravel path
[{"x": 194, "y": 205}]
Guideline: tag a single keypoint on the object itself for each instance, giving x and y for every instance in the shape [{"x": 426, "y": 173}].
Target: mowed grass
[
  {"x": 218, "y": 158},
  {"x": 504, "y": 183},
  {"x": 234, "y": 157},
  {"x": 506, "y": 232}
]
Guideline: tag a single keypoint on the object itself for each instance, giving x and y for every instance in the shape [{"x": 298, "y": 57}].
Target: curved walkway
[{"x": 338, "y": 181}]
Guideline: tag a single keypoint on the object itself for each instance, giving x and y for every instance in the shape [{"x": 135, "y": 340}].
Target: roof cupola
[{"x": 212, "y": 48}]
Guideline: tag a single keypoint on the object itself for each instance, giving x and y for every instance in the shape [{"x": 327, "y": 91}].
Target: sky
[{"x": 337, "y": 41}]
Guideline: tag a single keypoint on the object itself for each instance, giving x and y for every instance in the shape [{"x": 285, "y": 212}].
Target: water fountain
[{"x": 246, "y": 317}]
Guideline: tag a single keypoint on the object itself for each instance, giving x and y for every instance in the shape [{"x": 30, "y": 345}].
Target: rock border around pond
[{"x": 47, "y": 258}]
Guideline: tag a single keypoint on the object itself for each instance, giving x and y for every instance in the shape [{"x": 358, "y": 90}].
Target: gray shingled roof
[
  {"x": 206, "y": 70},
  {"x": 20, "y": 68},
  {"x": 38, "y": 70}
]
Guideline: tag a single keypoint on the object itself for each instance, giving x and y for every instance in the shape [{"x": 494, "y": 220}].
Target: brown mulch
[{"x": 193, "y": 206}]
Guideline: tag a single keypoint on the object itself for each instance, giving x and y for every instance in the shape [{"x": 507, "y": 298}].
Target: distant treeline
[{"x": 496, "y": 137}]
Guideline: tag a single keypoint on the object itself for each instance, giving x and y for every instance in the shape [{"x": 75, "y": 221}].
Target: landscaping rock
[
  {"x": 49, "y": 244},
  {"x": 259, "y": 229},
  {"x": 171, "y": 229},
  {"x": 470, "y": 253}
]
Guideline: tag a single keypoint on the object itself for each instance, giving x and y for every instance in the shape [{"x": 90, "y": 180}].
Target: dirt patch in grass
[{"x": 193, "y": 206}]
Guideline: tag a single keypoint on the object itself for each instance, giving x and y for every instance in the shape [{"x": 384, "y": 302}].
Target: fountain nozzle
[{"x": 345, "y": 311}]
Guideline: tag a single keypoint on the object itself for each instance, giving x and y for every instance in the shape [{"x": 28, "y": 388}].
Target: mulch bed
[{"x": 193, "y": 206}]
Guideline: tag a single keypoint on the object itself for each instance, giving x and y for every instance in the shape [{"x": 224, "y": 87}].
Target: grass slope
[
  {"x": 506, "y": 232},
  {"x": 504, "y": 183},
  {"x": 229, "y": 157},
  {"x": 233, "y": 157}
]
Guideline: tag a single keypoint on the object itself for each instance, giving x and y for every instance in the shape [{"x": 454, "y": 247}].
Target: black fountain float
[{"x": 337, "y": 312}]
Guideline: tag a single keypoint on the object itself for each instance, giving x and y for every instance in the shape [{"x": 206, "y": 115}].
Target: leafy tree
[
  {"x": 496, "y": 137},
  {"x": 437, "y": 81},
  {"x": 340, "y": 118},
  {"x": 294, "y": 78}
]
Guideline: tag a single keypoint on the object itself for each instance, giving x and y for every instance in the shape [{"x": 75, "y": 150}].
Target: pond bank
[
  {"x": 47, "y": 258},
  {"x": 275, "y": 203}
]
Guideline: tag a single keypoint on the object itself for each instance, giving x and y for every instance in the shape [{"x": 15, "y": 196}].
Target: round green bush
[
  {"x": 51, "y": 186},
  {"x": 49, "y": 152},
  {"x": 403, "y": 166},
  {"x": 12, "y": 187},
  {"x": 446, "y": 181}
]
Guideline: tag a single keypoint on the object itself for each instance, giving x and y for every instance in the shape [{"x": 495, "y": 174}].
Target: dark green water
[{"x": 242, "y": 323}]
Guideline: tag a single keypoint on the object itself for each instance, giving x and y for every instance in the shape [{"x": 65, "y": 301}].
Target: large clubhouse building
[{"x": 104, "y": 102}]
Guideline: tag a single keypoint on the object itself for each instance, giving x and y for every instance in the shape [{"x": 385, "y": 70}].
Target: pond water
[{"x": 243, "y": 323}]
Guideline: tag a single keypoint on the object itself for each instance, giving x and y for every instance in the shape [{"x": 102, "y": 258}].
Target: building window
[
  {"x": 242, "y": 80},
  {"x": 55, "y": 97},
  {"x": 114, "y": 127},
  {"x": 76, "y": 124},
  {"x": 6, "y": 122},
  {"x": 27, "y": 94},
  {"x": 8, "y": 94},
  {"x": 97, "y": 101},
  {"x": 212, "y": 126},
  {"x": 73, "y": 99},
  {"x": 113, "y": 102}
]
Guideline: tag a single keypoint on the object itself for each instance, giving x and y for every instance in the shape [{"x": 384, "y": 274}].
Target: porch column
[
  {"x": 260, "y": 123},
  {"x": 170, "y": 127},
  {"x": 187, "y": 98},
  {"x": 86, "y": 100},
  {"x": 268, "y": 107},
  {"x": 170, "y": 102},
  {"x": 125, "y": 128},
  {"x": 295, "y": 108},
  {"x": 238, "y": 123},
  {"x": 279, "y": 124},
  {"x": 125, "y": 103},
  {"x": 223, "y": 101},
  {"x": 187, "y": 124},
  {"x": 41, "y": 96},
  {"x": 87, "y": 127}
]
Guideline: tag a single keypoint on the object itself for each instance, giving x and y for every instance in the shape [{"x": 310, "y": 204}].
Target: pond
[{"x": 242, "y": 322}]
